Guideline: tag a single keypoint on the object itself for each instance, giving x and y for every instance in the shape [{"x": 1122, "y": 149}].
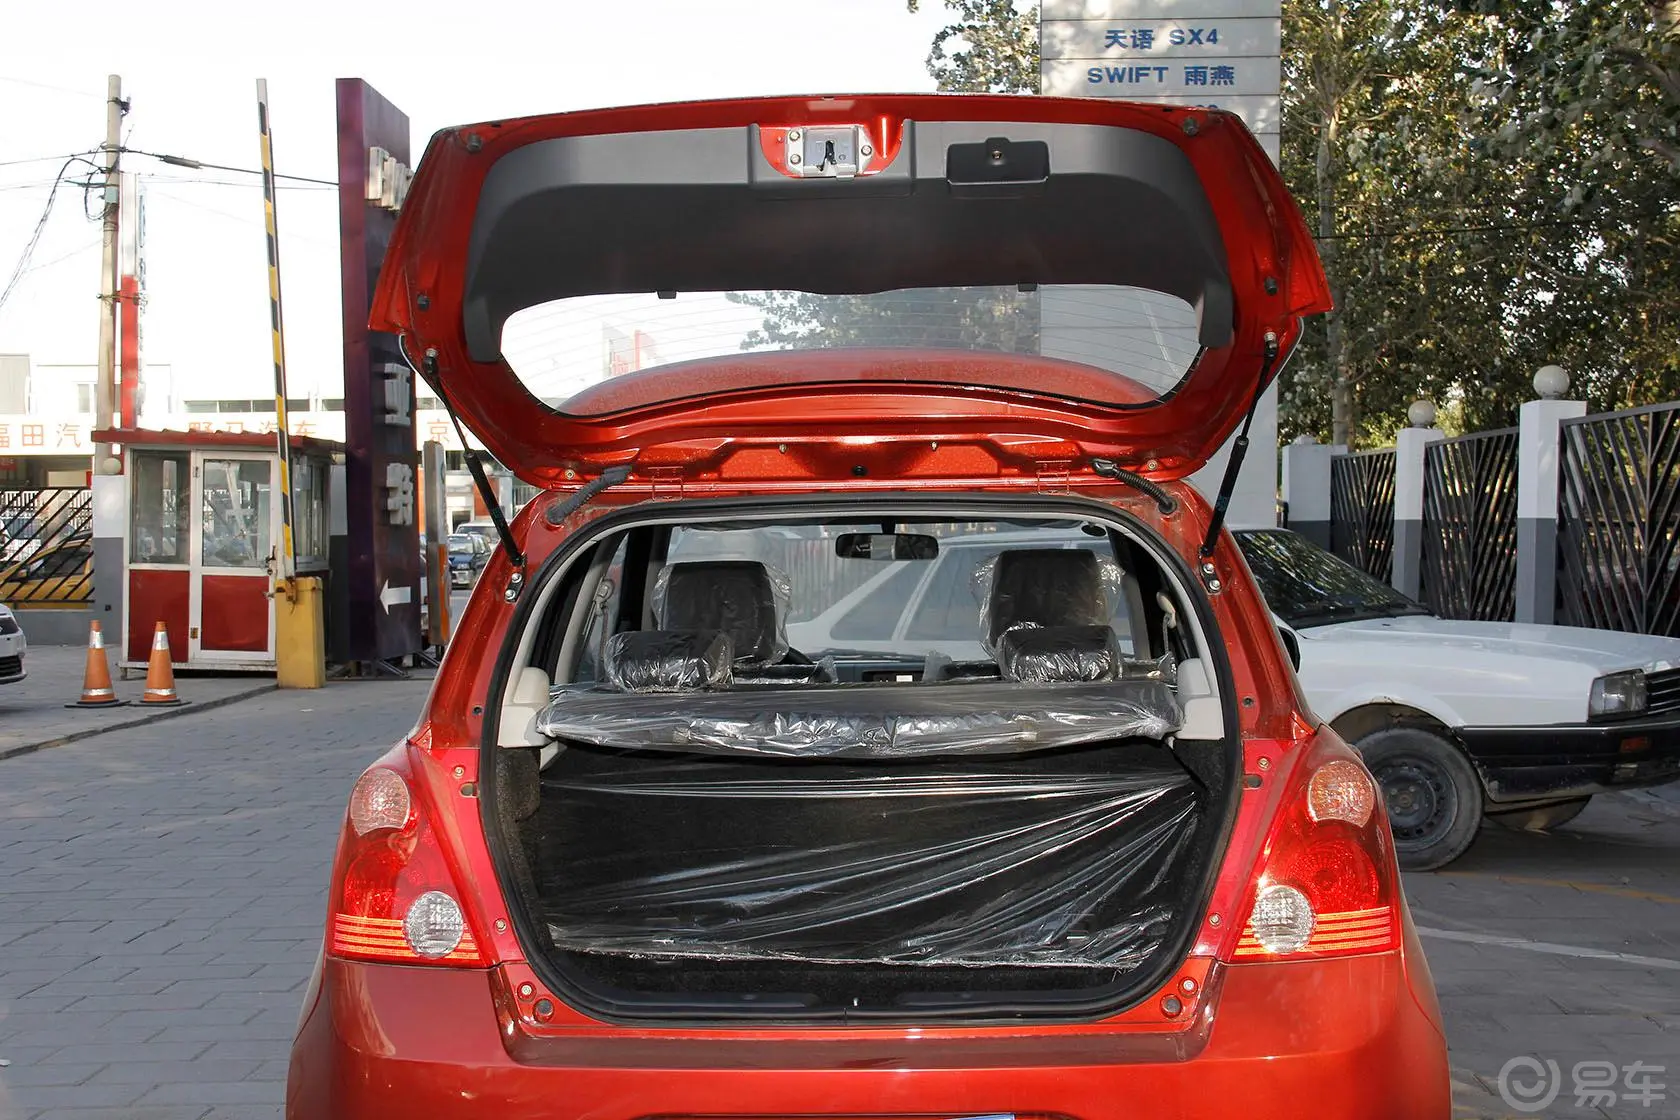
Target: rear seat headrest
[
  {"x": 668, "y": 660},
  {"x": 1059, "y": 654},
  {"x": 734, "y": 596},
  {"x": 1034, "y": 587}
]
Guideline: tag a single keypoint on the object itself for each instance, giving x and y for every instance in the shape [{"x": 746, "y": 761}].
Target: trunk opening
[{"x": 865, "y": 835}]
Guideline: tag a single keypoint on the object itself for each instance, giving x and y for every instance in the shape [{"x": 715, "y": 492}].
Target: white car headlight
[{"x": 1617, "y": 694}]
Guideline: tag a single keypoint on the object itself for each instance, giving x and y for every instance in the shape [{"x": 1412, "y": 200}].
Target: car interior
[{"x": 1018, "y": 835}]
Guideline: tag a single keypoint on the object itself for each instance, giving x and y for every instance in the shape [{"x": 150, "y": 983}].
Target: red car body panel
[
  {"x": 1273, "y": 269},
  {"x": 1344, "y": 1038}
]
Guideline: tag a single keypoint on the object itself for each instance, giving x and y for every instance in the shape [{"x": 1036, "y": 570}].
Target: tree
[
  {"x": 988, "y": 319},
  {"x": 1373, "y": 148},
  {"x": 991, "y": 48},
  {"x": 1585, "y": 97}
]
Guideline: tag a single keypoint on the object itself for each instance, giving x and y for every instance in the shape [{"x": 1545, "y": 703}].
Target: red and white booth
[{"x": 202, "y": 539}]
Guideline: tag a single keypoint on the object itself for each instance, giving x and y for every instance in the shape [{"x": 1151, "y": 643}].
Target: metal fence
[
  {"x": 1470, "y": 526},
  {"x": 1362, "y": 510},
  {"x": 46, "y": 547},
  {"x": 1619, "y": 520}
]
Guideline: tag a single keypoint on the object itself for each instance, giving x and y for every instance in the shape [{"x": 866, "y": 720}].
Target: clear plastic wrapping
[
  {"x": 745, "y": 599},
  {"x": 867, "y": 721},
  {"x": 1068, "y": 859},
  {"x": 1059, "y": 653},
  {"x": 642, "y": 661},
  {"x": 1056, "y": 587}
]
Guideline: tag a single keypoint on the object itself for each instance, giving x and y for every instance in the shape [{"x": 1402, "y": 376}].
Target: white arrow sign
[{"x": 389, "y": 595}]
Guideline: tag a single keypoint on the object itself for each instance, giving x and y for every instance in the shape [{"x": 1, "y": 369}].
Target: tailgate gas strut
[
  {"x": 481, "y": 481},
  {"x": 1239, "y": 449}
]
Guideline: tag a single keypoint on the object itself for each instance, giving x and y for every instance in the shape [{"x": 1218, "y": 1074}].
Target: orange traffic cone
[
  {"x": 96, "y": 680},
  {"x": 160, "y": 672}
]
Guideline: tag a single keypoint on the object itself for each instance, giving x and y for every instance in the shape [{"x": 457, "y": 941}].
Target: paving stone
[
  {"x": 216, "y": 1093},
  {"x": 44, "y": 1073}
]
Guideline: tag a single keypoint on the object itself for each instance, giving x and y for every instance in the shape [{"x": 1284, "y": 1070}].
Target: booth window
[
  {"x": 309, "y": 512},
  {"x": 234, "y": 525},
  {"x": 159, "y": 503}
]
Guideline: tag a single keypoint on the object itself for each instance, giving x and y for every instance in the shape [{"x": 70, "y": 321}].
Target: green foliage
[
  {"x": 988, "y": 319},
  {"x": 991, "y": 48}
]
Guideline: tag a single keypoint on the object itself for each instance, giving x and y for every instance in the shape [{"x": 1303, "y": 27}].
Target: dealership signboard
[
  {"x": 1219, "y": 54},
  {"x": 1223, "y": 54},
  {"x": 382, "y": 561}
]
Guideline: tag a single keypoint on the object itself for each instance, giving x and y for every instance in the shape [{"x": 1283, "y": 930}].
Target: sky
[{"x": 190, "y": 72}]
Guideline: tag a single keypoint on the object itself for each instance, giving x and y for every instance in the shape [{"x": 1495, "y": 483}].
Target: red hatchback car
[{"x": 640, "y": 857}]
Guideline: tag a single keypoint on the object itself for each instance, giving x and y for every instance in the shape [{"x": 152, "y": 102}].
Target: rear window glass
[
  {"x": 839, "y": 604},
  {"x": 876, "y": 616},
  {"x": 598, "y": 354}
]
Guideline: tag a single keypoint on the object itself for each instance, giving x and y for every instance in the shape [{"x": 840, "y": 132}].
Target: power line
[
  {"x": 199, "y": 165},
  {"x": 194, "y": 181},
  {"x": 40, "y": 224},
  {"x": 45, "y": 159},
  {"x": 55, "y": 89}
]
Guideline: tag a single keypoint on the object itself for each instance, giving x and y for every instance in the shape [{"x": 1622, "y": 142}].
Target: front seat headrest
[
  {"x": 1045, "y": 587},
  {"x": 734, "y": 596}
]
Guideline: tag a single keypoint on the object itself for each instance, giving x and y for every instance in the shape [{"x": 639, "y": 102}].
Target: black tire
[
  {"x": 1542, "y": 818},
  {"x": 1431, "y": 793}
]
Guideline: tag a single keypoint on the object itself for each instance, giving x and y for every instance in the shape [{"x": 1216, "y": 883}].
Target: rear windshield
[
  {"x": 1136, "y": 345},
  {"x": 832, "y": 605}
]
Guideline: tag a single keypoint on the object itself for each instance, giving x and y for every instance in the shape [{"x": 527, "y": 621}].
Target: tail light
[
  {"x": 393, "y": 897},
  {"x": 1327, "y": 885}
]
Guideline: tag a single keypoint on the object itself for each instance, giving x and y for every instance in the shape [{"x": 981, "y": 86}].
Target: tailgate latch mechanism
[{"x": 829, "y": 153}]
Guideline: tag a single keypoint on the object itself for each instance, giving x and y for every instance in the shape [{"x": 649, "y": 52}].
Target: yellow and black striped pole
[{"x": 287, "y": 566}]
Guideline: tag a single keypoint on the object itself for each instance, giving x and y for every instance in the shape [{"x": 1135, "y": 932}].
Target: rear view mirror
[{"x": 886, "y": 546}]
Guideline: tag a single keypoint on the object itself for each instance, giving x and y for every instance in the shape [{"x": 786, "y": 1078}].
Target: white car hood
[{"x": 1603, "y": 651}]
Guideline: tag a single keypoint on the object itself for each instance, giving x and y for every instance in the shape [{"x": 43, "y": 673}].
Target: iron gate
[
  {"x": 1362, "y": 510},
  {"x": 1470, "y": 526},
  {"x": 46, "y": 547},
  {"x": 1618, "y": 517}
]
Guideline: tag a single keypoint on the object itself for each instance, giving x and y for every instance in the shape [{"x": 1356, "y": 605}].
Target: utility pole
[{"x": 105, "y": 393}]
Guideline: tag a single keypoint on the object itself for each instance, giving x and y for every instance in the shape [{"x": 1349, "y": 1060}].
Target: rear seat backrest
[
  {"x": 734, "y": 596},
  {"x": 1045, "y": 587}
]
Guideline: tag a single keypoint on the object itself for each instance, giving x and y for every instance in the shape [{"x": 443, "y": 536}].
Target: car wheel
[
  {"x": 1542, "y": 818},
  {"x": 1430, "y": 791}
]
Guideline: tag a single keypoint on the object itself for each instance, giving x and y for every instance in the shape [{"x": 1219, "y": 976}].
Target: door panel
[
  {"x": 158, "y": 595},
  {"x": 236, "y": 613},
  {"x": 233, "y": 541}
]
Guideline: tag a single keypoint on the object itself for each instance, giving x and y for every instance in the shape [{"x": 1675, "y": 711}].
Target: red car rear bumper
[{"x": 1341, "y": 1038}]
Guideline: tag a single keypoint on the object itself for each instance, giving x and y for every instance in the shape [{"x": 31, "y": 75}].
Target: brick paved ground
[
  {"x": 162, "y": 897},
  {"x": 162, "y": 902},
  {"x": 33, "y": 711}
]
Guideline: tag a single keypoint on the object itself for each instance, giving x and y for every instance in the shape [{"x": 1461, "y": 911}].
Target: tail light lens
[
  {"x": 1328, "y": 885},
  {"x": 394, "y": 899}
]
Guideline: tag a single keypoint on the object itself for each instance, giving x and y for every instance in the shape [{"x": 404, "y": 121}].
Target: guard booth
[{"x": 202, "y": 541}]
